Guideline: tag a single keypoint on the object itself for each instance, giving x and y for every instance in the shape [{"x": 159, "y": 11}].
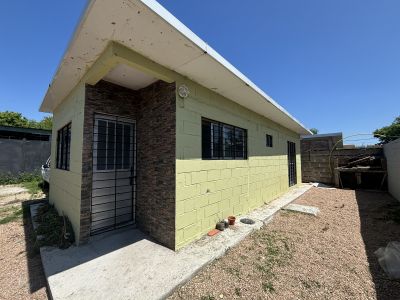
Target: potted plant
[{"x": 231, "y": 220}]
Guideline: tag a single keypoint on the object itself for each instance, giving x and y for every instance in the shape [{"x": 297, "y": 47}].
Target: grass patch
[
  {"x": 268, "y": 287},
  {"x": 33, "y": 182},
  {"x": 34, "y": 187},
  {"x": 19, "y": 178},
  {"x": 308, "y": 284},
  {"x": 276, "y": 251},
  {"x": 233, "y": 271},
  {"x": 208, "y": 297},
  {"x": 10, "y": 214}
]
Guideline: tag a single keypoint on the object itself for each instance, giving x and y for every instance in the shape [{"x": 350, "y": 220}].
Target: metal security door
[
  {"x": 114, "y": 173},
  {"x": 291, "y": 150}
]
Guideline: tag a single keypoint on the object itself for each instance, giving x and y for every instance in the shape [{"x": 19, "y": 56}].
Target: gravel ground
[
  {"x": 299, "y": 256},
  {"x": 21, "y": 273}
]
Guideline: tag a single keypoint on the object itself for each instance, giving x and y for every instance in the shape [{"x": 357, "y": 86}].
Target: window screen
[
  {"x": 223, "y": 141},
  {"x": 63, "y": 147}
]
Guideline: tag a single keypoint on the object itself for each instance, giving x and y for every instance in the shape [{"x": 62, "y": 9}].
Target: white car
[{"x": 46, "y": 171}]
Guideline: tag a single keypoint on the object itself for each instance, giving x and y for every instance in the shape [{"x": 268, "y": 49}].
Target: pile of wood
[{"x": 367, "y": 171}]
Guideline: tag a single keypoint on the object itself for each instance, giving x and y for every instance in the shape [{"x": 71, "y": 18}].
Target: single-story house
[{"x": 153, "y": 127}]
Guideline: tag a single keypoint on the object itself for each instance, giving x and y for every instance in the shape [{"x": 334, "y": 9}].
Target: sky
[{"x": 334, "y": 65}]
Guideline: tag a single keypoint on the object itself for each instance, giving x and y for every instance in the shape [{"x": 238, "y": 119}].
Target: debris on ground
[
  {"x": 389, "y": 259},
  {"x": 305, "y": 209},
  {"x": 322, "y": 185}
]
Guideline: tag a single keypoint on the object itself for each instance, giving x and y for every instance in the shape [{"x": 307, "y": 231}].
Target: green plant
[
  {"x": 233, "y": 271},
  {"x": 55, "y": 230},
  {"x": 238, "y": 292},
  {"x": 276, "y": 252},
  {"x": 19, "y": 178},
  {"x": 268, "y": 287},
  {"x": 10, "y": 214},
  {"x": 208, "y": 297},
  {"x": 308, "y": 284},
  {"x": 314, "y": 130},
  {"x": 388, "y": 133},
  {"x": 10, "y": 118}
]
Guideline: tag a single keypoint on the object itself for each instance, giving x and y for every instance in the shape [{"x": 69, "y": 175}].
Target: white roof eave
[{"x": 95, "y": 32}]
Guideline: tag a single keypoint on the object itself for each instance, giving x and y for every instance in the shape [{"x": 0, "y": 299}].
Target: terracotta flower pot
[{"x": 231, "y": 220}]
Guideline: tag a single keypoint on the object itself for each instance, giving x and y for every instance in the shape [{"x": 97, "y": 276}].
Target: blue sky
[{"x": 334, "y": 65}]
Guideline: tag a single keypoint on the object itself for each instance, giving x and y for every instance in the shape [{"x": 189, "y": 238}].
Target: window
[
  {"x": 269, "y": 140},
  {"x": 113, "y": 149},
  {"x": 63, "y": 147},
  {"x": 223, "y": 141}
]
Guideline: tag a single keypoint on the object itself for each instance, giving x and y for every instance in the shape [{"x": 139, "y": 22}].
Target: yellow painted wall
[
  {"x": 210, "y": 190},
  {"x": 65, "y": 186}
]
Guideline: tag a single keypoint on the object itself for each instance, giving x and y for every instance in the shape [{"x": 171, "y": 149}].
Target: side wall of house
[
  {"x": 392, "y": 154},
  {"x": 210, "y": 190},
  {"x": 65, "y": 186}
]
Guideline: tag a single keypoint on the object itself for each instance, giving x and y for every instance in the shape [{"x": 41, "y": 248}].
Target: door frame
[
  {"x": 292, "y": 163},
  {"x": 116, "y": 118}
]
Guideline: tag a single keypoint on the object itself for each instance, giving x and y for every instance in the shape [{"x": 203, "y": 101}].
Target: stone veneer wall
[{"x": 153, "y": 108}]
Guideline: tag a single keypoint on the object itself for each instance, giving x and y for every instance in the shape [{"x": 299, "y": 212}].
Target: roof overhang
[{"x": 112, "y": 32}]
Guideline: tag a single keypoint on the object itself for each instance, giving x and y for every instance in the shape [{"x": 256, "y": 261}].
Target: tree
[
  {"x": 46, "y": 123},
  {"x": 10, "y": 118},
  {"x": 388, "y": 133},
  {"x": 314, "y": 130}
]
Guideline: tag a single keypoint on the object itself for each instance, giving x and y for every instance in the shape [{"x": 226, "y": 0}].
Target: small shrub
[
  {"x": 19, "y": 178},
  {"x": 268, "y": 287},
  {"x": 56, "y": 230},
  {"x": 209, "y": 297}
]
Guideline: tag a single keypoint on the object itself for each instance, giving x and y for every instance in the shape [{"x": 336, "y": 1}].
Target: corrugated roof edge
[{"x": 25, "y": 130}]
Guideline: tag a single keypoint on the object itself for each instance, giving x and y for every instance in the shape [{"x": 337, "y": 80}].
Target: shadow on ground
[
  {"x": 380, "y": 224},
  {"x": 37, "y": 280},
  {"x": 35, "y": 268}
]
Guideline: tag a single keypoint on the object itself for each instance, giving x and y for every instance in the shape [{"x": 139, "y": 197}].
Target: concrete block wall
[
  {"x": 23, "y": 156},
  {"x": 65, "y": 186},
  {"x": 392, "y": 154},
  {"x": 316, "y": 163},
  {"x": 210, "y": 190}
]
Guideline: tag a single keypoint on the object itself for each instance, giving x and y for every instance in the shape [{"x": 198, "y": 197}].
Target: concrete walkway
[{"x": 128, "y": 265}]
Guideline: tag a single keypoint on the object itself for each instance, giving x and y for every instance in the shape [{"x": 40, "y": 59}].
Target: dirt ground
[
  {"x": 299, "y": 256},
  {"x": 21, "y": 273}
]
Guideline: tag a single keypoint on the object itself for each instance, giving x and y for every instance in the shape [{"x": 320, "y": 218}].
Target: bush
[
  {"x": 19, "y": 178},
  {"x": 54, "y": 230}
]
